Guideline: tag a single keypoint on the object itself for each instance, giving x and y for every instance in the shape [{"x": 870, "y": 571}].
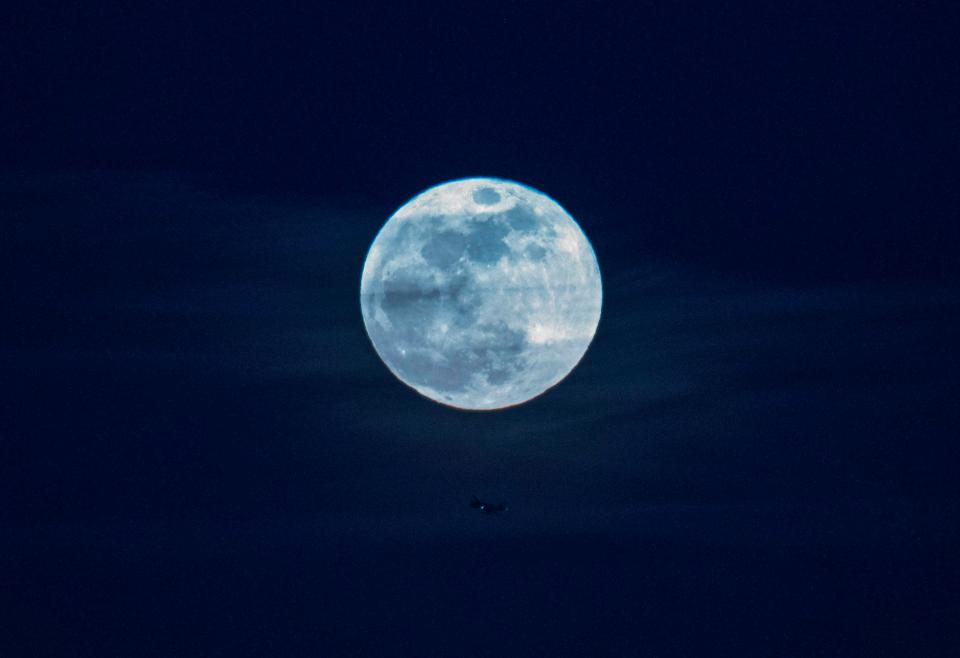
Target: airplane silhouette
[{"x": 488, "y": 507}]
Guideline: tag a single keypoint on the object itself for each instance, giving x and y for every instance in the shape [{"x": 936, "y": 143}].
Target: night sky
[{"x": 202, "y": 455}]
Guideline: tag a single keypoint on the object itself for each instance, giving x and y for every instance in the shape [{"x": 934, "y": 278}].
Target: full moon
[{"x": 481, "y": 293}]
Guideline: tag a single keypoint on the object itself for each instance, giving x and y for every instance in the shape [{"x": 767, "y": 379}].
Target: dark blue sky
[{"x": 201, "y": 454}]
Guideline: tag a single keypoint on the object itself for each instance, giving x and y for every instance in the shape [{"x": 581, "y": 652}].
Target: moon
[{"x": 481, "y": 293}]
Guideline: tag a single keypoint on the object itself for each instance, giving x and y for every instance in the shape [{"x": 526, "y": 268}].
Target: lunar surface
[{"x": 481, "y": 293}]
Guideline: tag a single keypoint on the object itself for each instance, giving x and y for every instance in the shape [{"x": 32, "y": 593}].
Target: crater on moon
[
  {"x": 486, "y": 196},
  {"x": 481, "y": 293}
]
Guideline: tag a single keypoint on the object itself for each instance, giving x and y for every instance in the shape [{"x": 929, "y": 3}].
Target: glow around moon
[{"x": 481, "y": 293}]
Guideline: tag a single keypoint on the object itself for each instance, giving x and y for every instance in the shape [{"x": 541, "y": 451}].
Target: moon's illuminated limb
[{"x": 481, "y": 293}]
